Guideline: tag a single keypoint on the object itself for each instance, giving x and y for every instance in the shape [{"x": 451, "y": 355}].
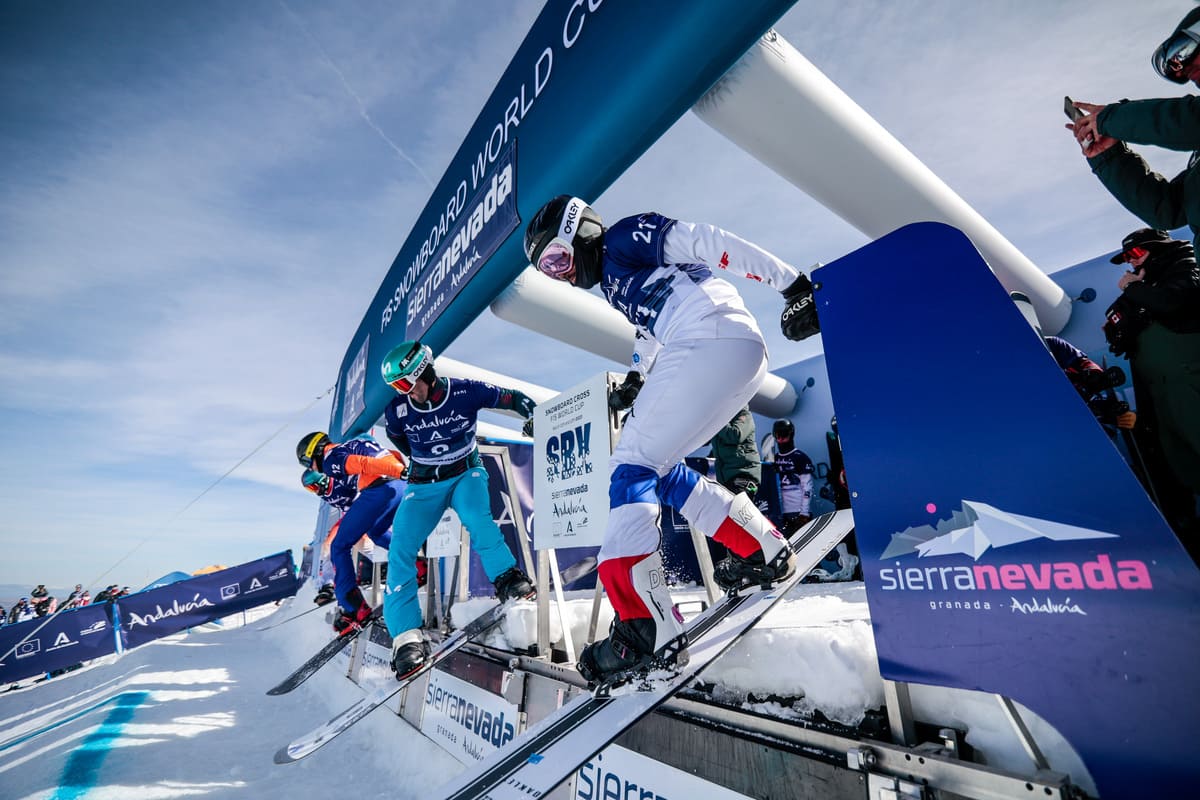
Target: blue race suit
[
  {"x": 369, "y": 511},
  {"x": 445, "y": 472}
]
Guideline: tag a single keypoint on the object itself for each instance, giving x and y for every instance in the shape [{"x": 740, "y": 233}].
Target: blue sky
[{"x": 200, "y": 199}]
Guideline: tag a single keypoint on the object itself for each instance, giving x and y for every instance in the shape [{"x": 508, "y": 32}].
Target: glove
[
  {"x": 799, "y": 318},
  {"x": 524, "y": 406},
  {"x": 624, "y": 395},
  {"x": 527, "y": 428},
  {"x": 315, "y": 482}
]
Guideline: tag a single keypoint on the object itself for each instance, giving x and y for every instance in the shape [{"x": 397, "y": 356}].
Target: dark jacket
[
  {"x": 735, "y": 452},
  {"x": 1172, "y": 123},
  {"x": 1170, "y": 292}
]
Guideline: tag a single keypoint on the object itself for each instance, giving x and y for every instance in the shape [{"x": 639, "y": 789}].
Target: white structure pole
[
  {"x": 582, "y": 319},
  {"x": 782, "y": 110}
]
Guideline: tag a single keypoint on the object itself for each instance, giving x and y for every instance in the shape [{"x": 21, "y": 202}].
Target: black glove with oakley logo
[{"x": 799, "y": 318}]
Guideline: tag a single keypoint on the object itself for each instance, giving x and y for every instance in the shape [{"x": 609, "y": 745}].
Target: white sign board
[
  {"x": 468, "y": 722},
  {"x": 445, "y": 541},
  {"x": 616, "y": 772},
  {"x": 571, "y": 449}
]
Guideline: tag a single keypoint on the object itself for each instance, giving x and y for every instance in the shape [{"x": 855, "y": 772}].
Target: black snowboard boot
[
  {"x": 736, "y": 572},
  {"x": 410, "y": 651},
  {"x": 351, "y": 619},
  {"x": 513, "y": 584},
  {"x": 324, "y": 595},
  {"x": 629, "y": 647}
]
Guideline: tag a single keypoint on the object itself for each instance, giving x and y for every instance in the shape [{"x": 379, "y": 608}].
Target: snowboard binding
[{"x": 669, "y": 658}]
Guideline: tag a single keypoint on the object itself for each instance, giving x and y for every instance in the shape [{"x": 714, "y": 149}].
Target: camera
[{"x": 1124, "y": 321}]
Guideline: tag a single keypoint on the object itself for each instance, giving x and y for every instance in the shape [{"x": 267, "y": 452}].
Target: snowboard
[
  {"x": 324, "y": 655},
  {"x": 551, "y": 751},
  {"x": 312, "y": 741}
]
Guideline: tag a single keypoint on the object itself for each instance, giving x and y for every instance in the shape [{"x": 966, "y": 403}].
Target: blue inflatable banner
[
  {"x": 1006, "y": 546},
  {"x": 151, "y": 615},
  {"x": 591, "y": 87},
  {"x": 43, "y": 645}
]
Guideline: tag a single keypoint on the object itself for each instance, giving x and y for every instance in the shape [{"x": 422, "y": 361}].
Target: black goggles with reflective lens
[{"x": 1175, "y": 55}]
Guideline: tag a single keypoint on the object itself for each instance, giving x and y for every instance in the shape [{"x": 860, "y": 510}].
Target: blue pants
[
  {"x": 419, "y": 514},
  {"x": 371, "y": 513}
]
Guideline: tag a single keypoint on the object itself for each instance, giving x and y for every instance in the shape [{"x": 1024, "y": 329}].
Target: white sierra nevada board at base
[{"x": 552, "y": 750}]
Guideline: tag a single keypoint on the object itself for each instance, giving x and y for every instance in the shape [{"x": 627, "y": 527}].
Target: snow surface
[
  {"x": 199, "y": 722},
  {"x": 205, "y": 727}
]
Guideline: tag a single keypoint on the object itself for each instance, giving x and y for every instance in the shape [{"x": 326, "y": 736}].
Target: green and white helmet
[{"x": 407, "y": 363}]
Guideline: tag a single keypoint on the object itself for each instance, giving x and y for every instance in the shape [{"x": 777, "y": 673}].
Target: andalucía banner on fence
[
  {"x": 160, "y": 612},
  {"x": 39, "y": 646}
]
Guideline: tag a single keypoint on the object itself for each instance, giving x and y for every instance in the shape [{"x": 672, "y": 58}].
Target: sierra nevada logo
[{"x": 979, "y": 530}]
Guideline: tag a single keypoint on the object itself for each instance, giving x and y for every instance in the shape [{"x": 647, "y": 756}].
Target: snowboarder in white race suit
[{"x": 699, "y": 357}]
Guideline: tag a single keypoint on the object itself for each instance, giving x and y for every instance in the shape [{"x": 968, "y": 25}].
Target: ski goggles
[
  {"x": 404, "y": 384},
  {"x": 1174, "y": 55},
  {"x": 557, "y": 258},
  {"x": 316, "y": 482},
  {"x": 1134, "y": 252}
]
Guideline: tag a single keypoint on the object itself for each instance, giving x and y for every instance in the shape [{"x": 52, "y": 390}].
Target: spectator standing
[
  {"x": 1172, "y": 123},
  {"x": 1156, "y": 321},
  {"x": 659, "y": 273},
  {"x": 72, "y": 600},
  {"x": 432, "y": 420},
  {"x": 836, "y": 490},
  {"x": 21, "y": 612},
  {"x": 361, "y": 479},
  {"x": 795, "y": 471},
  {"x": 737, "y": 464},
  {"x": 1091, "y": 381},
  {"x": 41, "y": 600}
]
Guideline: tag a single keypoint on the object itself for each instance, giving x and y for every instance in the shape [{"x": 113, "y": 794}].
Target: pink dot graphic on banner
[{"x": 931, "y": 508}]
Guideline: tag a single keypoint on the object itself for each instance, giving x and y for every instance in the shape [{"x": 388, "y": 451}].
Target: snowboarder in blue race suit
[
  {"x": 432, "y": 421},
  {"x": 662, "y": 274},
  {"x": 362, "y": 479}
]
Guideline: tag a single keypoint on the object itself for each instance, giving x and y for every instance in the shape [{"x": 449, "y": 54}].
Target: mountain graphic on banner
[{"x": 978, "y": 527}]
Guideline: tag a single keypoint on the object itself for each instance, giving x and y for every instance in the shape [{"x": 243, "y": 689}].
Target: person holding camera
[
  {"x": 1172, "y": 123},
  {"x": 1093, "y": 384},
  {"x": 1156, "y": 322}
]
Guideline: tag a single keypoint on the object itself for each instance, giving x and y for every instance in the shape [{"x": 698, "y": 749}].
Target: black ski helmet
[
  {"x": 783, "y": 429},
  {"x": 310, "y": 450},
  {"x": 587, "y": 239},
  {"x": 1177, "y": 52}
]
